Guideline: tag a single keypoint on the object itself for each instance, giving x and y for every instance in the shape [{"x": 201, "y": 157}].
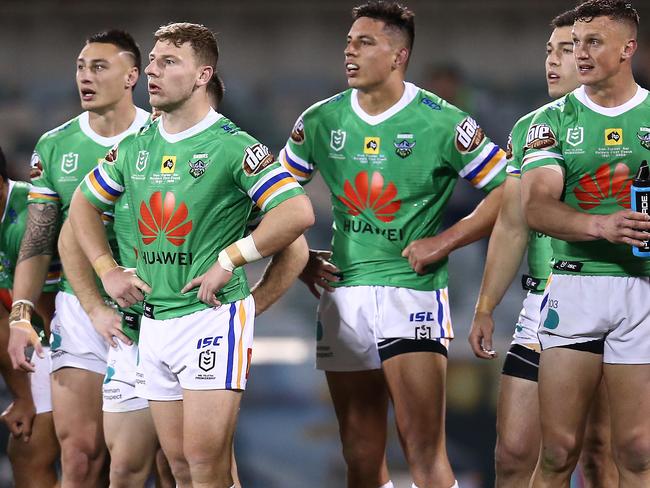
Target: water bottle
[{"x": 640, "y": 193}]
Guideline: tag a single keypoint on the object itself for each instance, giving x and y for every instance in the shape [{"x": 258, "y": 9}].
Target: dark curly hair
[
  {"x": 393, "y": 14},
  {"x": 620, "y": 10}
]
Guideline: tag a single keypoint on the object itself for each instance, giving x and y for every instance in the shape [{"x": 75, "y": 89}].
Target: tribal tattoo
[{"x": 41, "y": 232}]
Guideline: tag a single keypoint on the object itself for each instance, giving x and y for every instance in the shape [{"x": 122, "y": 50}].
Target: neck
[
  {"x": 3, "y": 196},
  {"x": 378, "y": 99},
  {"x": 113, "y": 120},
  {"x": 187, "y": 114},
  {"x": 614, "y": 91}
]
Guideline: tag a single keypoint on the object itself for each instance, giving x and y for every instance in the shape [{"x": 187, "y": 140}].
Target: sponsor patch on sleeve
[
  {"x": 36, "y": 167},
  {"x": 540, "y": 136},
  {"x": 298, "y": 132},
  {"x": 256, "y": 158},
  {"x": 111, "y": 156},
  {"x": 509, "y": 147},
  {"x": 469, "y": 135}
]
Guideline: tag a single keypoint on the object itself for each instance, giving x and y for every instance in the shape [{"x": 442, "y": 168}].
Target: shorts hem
[
  {"x": 627, "y": 361},
  {"x": 160, "y": 398},
  {"x": 88, "y": 365},
  {"x": 125, "y": 409},
  {"x": 346, "y": 369}
]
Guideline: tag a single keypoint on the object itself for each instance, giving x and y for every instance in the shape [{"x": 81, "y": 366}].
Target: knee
[
  {"x": 77, "y": 460},
  {"x": 633, "y": 454},
  {"x": 127, "y": 472},
  {"x": 512, "y": 456},
  {"x": 559, "y": 456},
  {"x": 362, "y": 452},
  {"x": 596, "y": 453}
]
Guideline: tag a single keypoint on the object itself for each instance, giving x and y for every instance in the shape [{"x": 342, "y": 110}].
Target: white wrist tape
[
  {"x": 248, "y": 249},
  {"x": 225, "y": 262}
]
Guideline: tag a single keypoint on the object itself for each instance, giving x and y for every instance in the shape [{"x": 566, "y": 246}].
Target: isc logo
[
  {"x": 208, "y": 341},
  {"x": 421, "y": 317}
]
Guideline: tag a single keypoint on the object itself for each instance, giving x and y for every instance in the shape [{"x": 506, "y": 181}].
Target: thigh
[
  {"x": 360, "y": 401},
  {"x": 77, "y": 407},
  {"x": 518, "y": 414},
  {"x": 41, "y": 451},
  {"x": 168, "y": 420},
  {"x": 345, "y": 336},
  {"x": 568, "y": 381},
  {"x": 131, "y": 437}
]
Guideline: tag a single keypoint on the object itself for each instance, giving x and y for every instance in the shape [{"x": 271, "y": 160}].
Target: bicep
[{"x": 541, "y": 184}]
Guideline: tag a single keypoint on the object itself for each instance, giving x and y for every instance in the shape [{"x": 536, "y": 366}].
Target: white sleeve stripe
[
  {"x": 265, "y": 178},
  {"x": 534, "y": 158},
  {"x": 110, "y": 181},
  {"x": 279, "y": 191},
  {"x": 493, "y": 172},
  {"x": 95, "y": 193},
  {"x": 485, "y": 152},
  {"x": 42, "y": 189},
  {"x": 297, "y": 159},
  {"x": 549, "y": 154}
]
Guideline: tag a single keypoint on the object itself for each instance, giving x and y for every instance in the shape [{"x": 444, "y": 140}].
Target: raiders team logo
[
  {"x": 111, "y": 157},
  {"x": 298, "y": 132},
  {"x": 36, "y": 167},
  {"x": 207, "y": 360},
  {"x": 540, "y": 136},
  {"x": 256, "y": 158},
  {"x": 469, "y": 135},
  {"x": 69, "y": 162},
  {"x": 644, "y": 139},
  {"x": 403, "y": 145},
  {"x": 198, "y": 164}
]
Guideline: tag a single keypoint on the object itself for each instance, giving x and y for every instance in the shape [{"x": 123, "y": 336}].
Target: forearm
[
  {"x": 88, "y": 228},
  {"x": 557, "y": 219},
  {"x": 36, "y": 249},
  {"x": 283, "y": 225},
  {"x": 282, "y": 271},
  {"x": 79, "y": 271}
]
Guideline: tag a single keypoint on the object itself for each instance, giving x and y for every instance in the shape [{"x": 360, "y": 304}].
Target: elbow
[{"x": 306, "y": 216}]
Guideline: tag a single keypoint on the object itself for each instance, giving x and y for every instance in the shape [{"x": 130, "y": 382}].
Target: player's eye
[
  {"x": 169, "y": 61},
  {"x": 568, "y": 51}
]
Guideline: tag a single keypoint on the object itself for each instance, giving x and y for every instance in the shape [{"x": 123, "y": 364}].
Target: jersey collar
[
  {"x": 11, "y": 187},
  {"x": 638, "y": 98},
  {"x": 140, "y": 119},
  {"x": 207, "y": 121},
  {"x": 410, "y": 92}
]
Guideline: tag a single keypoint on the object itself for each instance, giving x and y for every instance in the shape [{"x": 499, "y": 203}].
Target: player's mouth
[
  {"x": 351, "y": 69},
  {"x": 153, "y": 89},
  {"x": 552, "y": 77},
  {"x": 584, "y": 68},
  {"x": 87, "y": 94}
]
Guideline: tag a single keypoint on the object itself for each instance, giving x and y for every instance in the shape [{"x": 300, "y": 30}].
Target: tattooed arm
[{"x": 34, "y": 258}]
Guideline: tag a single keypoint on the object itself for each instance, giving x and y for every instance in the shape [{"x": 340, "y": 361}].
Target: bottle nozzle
[{"x": 643, "y": 175}]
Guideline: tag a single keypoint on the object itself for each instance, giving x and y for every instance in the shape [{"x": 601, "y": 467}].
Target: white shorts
[
  {"x": 528, "y": 321},
  {"x": 74, "y": 341},
  {"x": 613, "y": 309},
  {"x": 40, "y": 382},
  {"x": 206, "y": 350},
  {"x": 119, "y": 382},
  {"x": 353, "y": 320}
]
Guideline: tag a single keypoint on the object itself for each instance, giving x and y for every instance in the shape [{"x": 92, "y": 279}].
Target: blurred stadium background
[{"x": 277, "y": 58}]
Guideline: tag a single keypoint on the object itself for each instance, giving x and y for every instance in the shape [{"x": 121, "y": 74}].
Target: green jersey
[
  {"x": 189, "y": 196},
  {"x": 599, "y": 150},
  {"x": 390, "y": 177},
  {"x": 540, "y": 253},
  {"x": 65, "y": 155}
]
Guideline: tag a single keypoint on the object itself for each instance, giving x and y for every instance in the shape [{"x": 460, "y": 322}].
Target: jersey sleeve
[
  {"x": 542, "y": 145},
  {"x": 266, "y": 182},
  {"x": 53, "y": 275},
  {"x": 42, "y": 189},
  {"x": 296, "y": 156},
  {"x": 475, "y": 157},
  {"x": 105, "y": 183}
]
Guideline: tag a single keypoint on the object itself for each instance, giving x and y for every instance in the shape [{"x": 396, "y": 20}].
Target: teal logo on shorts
[
  {"x": 552, "y": 320},
  {"x": 319, "y": 331},
  {"x": 110, "y": 372},
  {"x": 55, "y": 341}
]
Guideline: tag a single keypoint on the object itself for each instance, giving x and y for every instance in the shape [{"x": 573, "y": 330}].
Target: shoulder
[
  {"x": 64, "y": 130},
  {"x": 327, "y": 106}
]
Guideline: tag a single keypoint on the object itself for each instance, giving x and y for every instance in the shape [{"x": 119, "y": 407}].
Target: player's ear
[
  {"x": 629, "y": 49},
  {"x": 205, "y": 75},
  {"x": 132, "y": 77},
  {"x": 401, "y": 58}
]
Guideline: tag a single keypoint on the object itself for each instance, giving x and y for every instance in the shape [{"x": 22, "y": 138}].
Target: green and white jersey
[
  {"x": 12, "y": 228},
  {"x": 189, "y": 195},
  {"x": 599, "y": 151},
  {"x": 63, "y": 157},
  {"x": 390, "y": 176},
  {"x": 540, "y": 253}
]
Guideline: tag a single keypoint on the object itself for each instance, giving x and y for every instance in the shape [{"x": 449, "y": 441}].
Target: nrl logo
[
  {"x": 644, "y": 139},
  {"x": 575, "y": 135},
  {"x": 69, "y": 162},
  {"x": 143, "y": 159},
  {"x": 337, "y": 139},
  {"x": 207, "y": 360},
  {"x": 198, "y": 164},
  {"x": 404, "y": 148}
]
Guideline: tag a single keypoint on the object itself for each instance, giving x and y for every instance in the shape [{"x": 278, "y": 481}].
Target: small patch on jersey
[
  {"x": 198, "y": 164},
  {"x": 404, "y": 145},
  {"x": 36, "y": 167},
  {"x": 540, "y": 136},
  {"x": 298, "y": 132},
  {"x": 256, "y": 158},
  {"x": 644, "y": 139},
  {"x": 469, "y": 135},
  {"x": 509, "y": 147},
  {"x": 69, "y": 162},
  {"x": 111, "y": 156},
  {"x": 371, "y": 145},
  {"x": 168, "y": 164},
  {"x": 613, "y": 137}
]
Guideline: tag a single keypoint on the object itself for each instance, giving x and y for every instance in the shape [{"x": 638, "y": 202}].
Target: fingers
[
  {"x": 326, "y": 255},
  {"x": 207, "y": 295},
  {"x": 38, "y": 349},
  {"x": 122, "y": 337},
  {"x": 641, "y": 220},
  {"x": 27, "y": 428},
  {"x": 193, "y": 284},
  {"x": 314, "y": 291},
  {"x": 26, "y": 365},
  {"x": 141, "y": 285},
  {"x": 406, "y": 251},
  {"x": 481, "y": 345}
]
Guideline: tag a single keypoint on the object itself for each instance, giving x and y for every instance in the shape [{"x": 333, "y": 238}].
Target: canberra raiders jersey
[
  {"x": 12, "y": 228},
  {"x": 599, "y": 151},
  {"x": 189, "y": 195},
  {"x": 65, "y": 155},
  {"x": 390, "y": 177},
  {"x": 540, "y": 253}
]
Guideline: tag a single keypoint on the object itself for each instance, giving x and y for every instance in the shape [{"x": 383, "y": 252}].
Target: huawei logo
[
  {"x": 603, "y": 185},
  {"x": 163, "y": 217},
  {"x": 372, "y": 195}
]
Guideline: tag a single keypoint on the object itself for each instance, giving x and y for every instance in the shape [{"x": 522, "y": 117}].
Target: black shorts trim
[
  {"x": 394, "y": 347},
  {"x": 596, "y": 346},
  {"x": 521, "y": 362}
]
